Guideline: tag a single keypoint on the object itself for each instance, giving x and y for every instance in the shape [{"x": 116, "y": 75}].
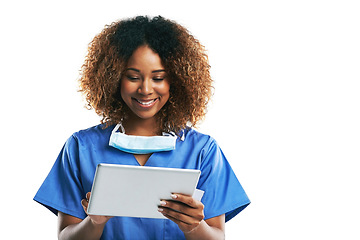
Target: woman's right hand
[{"x": 96, "y": 219}]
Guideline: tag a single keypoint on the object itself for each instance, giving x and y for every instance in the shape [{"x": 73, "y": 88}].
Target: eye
[
  {"x": 132, "y": 78},
  {"x": 158, "y": 79}
]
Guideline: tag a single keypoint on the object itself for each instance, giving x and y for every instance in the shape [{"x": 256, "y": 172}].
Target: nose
[{"x": 146, "y": 87}]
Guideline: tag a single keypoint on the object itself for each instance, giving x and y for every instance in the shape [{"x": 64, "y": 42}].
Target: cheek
[
  {"x": 126, "y": 88},
  {"x": 122, "y": 90},
  {"x": 164, "y": 89}
]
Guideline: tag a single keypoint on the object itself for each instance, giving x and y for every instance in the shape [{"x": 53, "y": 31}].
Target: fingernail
[
  {"x": 162, "y": 203},
  {"x": 173, "y": 196},
  {"x": 160, "y": 209}
]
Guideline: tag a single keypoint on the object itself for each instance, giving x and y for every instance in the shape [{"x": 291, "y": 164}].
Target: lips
[{"x": 146, "y": 102}]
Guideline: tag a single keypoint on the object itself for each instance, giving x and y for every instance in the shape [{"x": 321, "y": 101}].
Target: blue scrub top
[{"x": 72, "y": 175}]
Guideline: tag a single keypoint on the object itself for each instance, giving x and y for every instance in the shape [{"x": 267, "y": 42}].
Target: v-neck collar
[{"x": 147, "y": 161}]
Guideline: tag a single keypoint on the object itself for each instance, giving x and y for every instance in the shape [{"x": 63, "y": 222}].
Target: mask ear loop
[
  {"x": 172, "y": 134},
  {"x": 182, "y": 135},
  {"x": 119, "y": 125},
  {"x": 122, "y": 128}
]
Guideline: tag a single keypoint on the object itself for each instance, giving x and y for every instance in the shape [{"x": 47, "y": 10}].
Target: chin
[{"x": 144, "y": 115}]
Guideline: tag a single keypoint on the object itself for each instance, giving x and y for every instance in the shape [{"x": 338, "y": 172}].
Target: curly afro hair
[{"x": 183, "y": 57}]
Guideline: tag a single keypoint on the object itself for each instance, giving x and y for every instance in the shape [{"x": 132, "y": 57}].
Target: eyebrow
[{"x": 137, "y": 70}]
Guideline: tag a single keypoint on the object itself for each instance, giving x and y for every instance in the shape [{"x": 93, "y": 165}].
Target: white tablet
[{"x": 135, "y": 191}]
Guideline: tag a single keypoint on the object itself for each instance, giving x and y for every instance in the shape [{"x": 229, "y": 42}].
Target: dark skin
[{"x": 145, "y": 89}]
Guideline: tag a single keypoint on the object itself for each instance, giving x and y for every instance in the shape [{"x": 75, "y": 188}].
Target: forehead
[{"x": 145, "y": 57}]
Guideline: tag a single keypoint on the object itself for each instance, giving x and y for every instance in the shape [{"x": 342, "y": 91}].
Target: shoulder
[
  {"x": 196, "y": 138},
  {"x": 98, "y": 131},
  {"x": 191, "y": 133},
  {"x": 93, "y": 136}
]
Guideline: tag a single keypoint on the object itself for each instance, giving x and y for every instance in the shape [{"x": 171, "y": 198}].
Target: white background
[{"x": 285, "y": 109}]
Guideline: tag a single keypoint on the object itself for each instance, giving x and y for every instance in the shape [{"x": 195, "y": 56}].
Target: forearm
[
  {"x": 204, "y": 231},
  {"x": 86, "y": 229}
]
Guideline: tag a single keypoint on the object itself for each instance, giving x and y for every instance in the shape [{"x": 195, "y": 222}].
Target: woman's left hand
[{"x": 184, "y": 210}]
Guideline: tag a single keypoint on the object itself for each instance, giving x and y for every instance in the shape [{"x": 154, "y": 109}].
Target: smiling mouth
[{"x": 146, "y": 102}]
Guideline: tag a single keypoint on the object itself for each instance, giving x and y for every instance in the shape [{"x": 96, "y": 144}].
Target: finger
[
  {"x": 186, "y": 199},
  {"x": 184, "y": 226},
  {"x": 88, "y": 196},
  {"x": 84, "y": 203},
  {"x": 186, "y": 204},
  {"x": 180, "y": 216},
  {"x": 179, "y": 207},
  {"x": 193, "y": 218}
]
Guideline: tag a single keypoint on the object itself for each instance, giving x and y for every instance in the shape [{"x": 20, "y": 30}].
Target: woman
[{"x": 145, "y": 77}]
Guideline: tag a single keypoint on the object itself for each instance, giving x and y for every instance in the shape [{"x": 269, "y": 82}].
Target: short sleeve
[
  {"x": 223, "y": 192},
  {"x": 62, "y": 189}
]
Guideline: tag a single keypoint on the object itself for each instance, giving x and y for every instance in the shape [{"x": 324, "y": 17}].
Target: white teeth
[{"x": 146, "y": 103}]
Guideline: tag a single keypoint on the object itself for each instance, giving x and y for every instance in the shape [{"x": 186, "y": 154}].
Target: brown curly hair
[{"x": 182, "y": 55}]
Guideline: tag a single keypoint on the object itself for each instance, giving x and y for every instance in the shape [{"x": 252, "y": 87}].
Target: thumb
[{"x": 88, "y": 196}]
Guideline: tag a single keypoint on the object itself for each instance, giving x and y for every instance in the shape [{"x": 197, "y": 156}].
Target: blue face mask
[{"x": 141, "y": 144}]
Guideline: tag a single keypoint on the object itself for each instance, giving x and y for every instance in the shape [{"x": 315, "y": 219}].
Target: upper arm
[
  {"x": 65, "y": 220},
  {"x": 217, "y": 222}
]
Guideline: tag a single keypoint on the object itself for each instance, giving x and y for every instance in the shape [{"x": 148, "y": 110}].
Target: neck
[{"x": 141, "y": 127}]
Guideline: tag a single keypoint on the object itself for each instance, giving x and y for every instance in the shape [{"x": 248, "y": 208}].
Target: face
[{"x": 145, "y": 85}]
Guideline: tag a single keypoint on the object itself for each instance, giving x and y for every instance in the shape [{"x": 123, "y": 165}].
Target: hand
[
  {"x": 185, "y": 211},
  {"x": 94, "y": 218}
]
